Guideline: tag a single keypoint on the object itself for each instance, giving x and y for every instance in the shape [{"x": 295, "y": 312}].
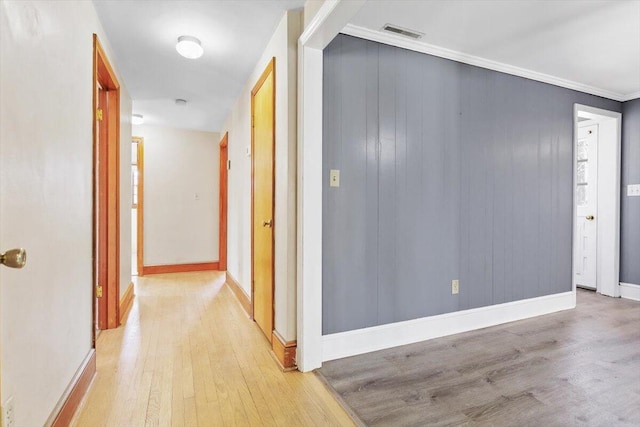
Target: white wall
[
  {"x": 180, "y": 227},
  {"x": 282, "y": 46},
  {"x": 46, "y": 60},
  {"x": 311, "y": 8}
]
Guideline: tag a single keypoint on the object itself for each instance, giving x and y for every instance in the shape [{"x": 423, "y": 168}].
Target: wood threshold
[
  {"x": 242, "y": 297},
  {"x": 284, "y": 352},
  {"x": 126, "y": 302},
  {"x": 75, "y": 392},
  {"x": 179, "y": 268}
]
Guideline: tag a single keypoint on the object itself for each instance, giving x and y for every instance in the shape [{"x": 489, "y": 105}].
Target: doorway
[
  {"x": 106, "y": 191},
  {"x": 137, "y": 208},
  {"x": 262, "y": 199},
  {"x": 596, "y": 206},
  {"x": 222, "y": 235}
]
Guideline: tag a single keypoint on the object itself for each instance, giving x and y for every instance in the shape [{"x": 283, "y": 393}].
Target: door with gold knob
[
  {"x": 586, "y": 206},
  {"x": 262, "y": 237}
]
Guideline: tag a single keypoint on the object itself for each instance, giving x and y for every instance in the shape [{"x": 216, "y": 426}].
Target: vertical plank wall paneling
[
  {"x": 630, "y": 206},
  {"x": 447, "y": 171}
]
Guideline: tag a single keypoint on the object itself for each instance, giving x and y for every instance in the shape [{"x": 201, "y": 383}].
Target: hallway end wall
[{"x": 181, "y": 185}]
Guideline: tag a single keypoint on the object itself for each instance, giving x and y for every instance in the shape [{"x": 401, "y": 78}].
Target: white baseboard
[
  {"x": 630, "y": 291},
  {"x": 351, "y": 343}
]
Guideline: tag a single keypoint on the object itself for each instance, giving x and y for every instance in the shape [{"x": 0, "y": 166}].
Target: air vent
[{"x": 402, "y": 31}]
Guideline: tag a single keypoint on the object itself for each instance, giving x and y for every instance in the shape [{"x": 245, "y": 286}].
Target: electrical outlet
[
  {"x": 455, "y": 287},
  {"x": 8, "y": 419}
]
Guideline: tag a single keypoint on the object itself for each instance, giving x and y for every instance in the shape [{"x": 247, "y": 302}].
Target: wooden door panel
[{"x": 263, "y": 200}]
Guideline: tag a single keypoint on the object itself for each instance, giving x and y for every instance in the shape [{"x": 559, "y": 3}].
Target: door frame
[
  {"x": 270, "y": 69},
  {"x": 140, "y": 206},
  {"x": 608, "y": 210},
  {"x": 222, "y": 203},
  {"x": 108, "y": 307}
]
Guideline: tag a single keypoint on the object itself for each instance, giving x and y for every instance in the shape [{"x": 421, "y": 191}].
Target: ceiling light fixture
[
  {"x": 137, "y": 119},
  {"x": 181, "y": 102},
  {"x": 189, "y": 47}
]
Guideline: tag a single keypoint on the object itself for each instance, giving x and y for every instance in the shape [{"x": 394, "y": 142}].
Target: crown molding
[
  {"x": 631, "y": 96},
  {"x": 418, "y": 46}
]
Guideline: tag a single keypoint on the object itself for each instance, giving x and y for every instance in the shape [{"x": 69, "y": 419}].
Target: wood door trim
[
  {"x": 140, "y": 208},
  {"x": 104, "y": 76},
  {"x": 180, "y": 268},
  {"x": 270, "y": 69},
  {"x": 222, "y": 203}
]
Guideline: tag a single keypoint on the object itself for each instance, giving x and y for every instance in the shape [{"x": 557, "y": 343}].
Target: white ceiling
[
  {"x": 592, "y": 43},
  {"x": 143, "y": 35}
]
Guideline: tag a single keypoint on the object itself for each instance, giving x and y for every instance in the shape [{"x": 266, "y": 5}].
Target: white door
[{"x": 586, "y": 206}]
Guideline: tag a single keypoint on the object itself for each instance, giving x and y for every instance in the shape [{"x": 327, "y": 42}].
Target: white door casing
[
  {"x": 607, "y": 214},
  {"x": 586, "y": 193}
]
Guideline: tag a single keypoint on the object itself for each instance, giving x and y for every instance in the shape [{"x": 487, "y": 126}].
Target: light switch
[
  {"x": 633, "y": 190},
  {"x": 334, "y": 178}
]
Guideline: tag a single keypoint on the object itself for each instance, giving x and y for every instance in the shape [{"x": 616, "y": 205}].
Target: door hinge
[
  {"x": 253, "y": 122},
  {"x": 98, "y": 291},
  {"x": 228, "y": 165},
  {"x": 99, "y": 114}
]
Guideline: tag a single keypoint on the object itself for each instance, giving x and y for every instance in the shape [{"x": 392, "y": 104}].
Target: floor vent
[{"x": 402, "y": 31}]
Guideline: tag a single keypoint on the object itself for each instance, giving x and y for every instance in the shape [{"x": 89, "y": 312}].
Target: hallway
[{"x": 188, "y": 355}]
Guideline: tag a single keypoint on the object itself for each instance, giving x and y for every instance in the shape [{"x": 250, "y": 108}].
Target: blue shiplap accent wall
[
  {"x": 630, "y": 206},
  {"x": 447, "y": 171}
]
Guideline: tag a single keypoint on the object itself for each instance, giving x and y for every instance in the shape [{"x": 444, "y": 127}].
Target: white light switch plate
[
  {"x": 334, "y": 178},
  {"x": 633, "y": 190}
]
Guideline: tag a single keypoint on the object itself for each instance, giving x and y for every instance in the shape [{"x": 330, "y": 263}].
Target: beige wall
[
  {"x": 180, "y": 195},
  {"x": 282, "y": 46},
  {"x": 46, "y": 56},
  {"x": 311, "y": 8}
]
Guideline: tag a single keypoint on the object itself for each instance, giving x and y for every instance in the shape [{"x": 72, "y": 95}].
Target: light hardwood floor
[
  {"x": 577, "y": 367},
  {"x": 189, "y": 356}
]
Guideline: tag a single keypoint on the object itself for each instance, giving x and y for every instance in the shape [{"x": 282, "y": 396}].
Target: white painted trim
[
  {"x": 631, "y": 96},
  {"x": 418, "y": 46},
  {"x": 351, "y": 343},
  {"x": 330, "y": 19},
  {"x": 608, "y": 212},
  {"x": 309, "y": 350},
  {"x": 630, "y": 291}
]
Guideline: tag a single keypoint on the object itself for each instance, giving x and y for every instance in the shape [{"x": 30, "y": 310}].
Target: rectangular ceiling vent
[{"x": 402, "y": 31}]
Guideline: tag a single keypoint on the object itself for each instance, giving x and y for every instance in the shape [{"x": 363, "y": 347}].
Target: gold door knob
[
  {"x": 14, "y": 258},
  {"x": 268, "y": 223},
  {"x": 590, "y": 217}
]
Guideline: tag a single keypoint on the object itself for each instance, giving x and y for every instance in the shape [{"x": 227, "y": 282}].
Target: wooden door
[
  {"x": 102, "y": 174},
  {"x": 262, "y": 195},
  {"x": 222, "y": 243},
  {"x": 106, "y": 191},
  {"x": 586, "y": 206}
]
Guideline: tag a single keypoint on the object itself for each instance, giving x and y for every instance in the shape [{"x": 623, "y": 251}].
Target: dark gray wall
[
  {"x": 630, "y": 206},
  {"x": 447, "y": 171}
]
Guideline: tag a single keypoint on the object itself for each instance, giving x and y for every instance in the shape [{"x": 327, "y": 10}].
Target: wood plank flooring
[
  {"x": 577, "y": 367},
  {"x": 189, "y": 356}
]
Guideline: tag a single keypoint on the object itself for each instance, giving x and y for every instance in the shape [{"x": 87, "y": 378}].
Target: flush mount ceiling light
[
  {"x": 189, "y": 47},
  {"x": 181, "y": 102},
  {"x": 137, "y": 119}
]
